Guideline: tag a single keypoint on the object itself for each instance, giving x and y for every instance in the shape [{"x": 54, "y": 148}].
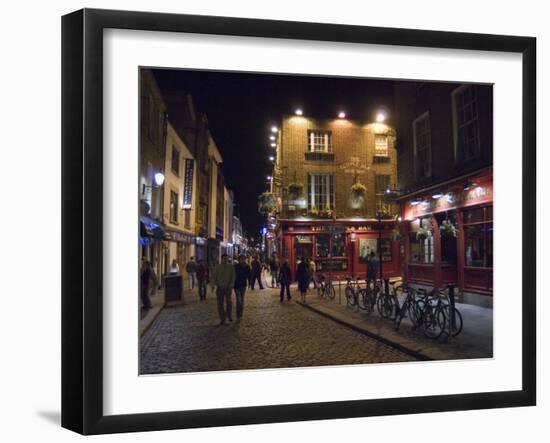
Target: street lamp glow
[
  {"x": 273, "y": 145},
  {"x": 272, "y": 137},
  {"x": 159, "y": 178},
  {"x": 274, "y": 129},
  {"x": 271, "y": 158},
  {"x": 299, "y": 112},
  {"x": 341, "y": 114},
  {"x": 380, "y": 117},
  {"x": 269, "y": 177}
]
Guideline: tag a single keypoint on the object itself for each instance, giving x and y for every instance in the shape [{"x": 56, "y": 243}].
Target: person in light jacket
[{"x": 223, "y": 279}]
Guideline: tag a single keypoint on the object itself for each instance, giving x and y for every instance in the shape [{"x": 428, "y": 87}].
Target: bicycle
[
  {"x": 407, "y": 308},
  {"x": 356, "y": 295},
  {"x": 385, "y": 304},
  {"x": 437, "y": 316},
  {"x": 325, "y": 288}
]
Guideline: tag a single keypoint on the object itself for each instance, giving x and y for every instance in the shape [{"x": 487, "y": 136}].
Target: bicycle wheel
[
  {"x": 320, "y": 290},
  {"x": 444, "y": 316},
  {"x": 384, "y": 305},
  {"x": 350, "y": 296},
  {"x": 399, "y": 314},
  {"x": 330, "y": 292},
  {"x": 430, "y": 323},
  {"x": 415, "y": 313},
  {"x": 363, "y": 301}
]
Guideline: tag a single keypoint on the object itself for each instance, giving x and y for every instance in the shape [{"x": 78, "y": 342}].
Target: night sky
[{"x": 242, "y": 107}]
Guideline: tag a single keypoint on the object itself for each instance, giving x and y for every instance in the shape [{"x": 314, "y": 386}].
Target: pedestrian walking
[
  {"x": 145, "y": 280},
  {"x": 202, "y": 278},
  {"x": 303, "y": 275},
  {"x": 174, "y": 268},
  {"x": 224, "y": 281},
  {"x": 191, "y": 268},
  {"x": 284, "y": 278},
  {"x": 256, "y": 270},
  {"x": 274, "y": 270},
  {"x": 242, "y": 276},
  {"x": 373, "y": 265},
  {"x": 312, "y": 273}
]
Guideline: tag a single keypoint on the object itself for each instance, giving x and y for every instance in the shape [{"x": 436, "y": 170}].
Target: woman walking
[{"x": 302, "y": 275}]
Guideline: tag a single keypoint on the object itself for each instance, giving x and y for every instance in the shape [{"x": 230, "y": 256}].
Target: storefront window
[
  {"x": 421, "y": 248},
  {"x": 322, "y": 245},
  {"x": 478, "y": 233},
  {"x": 366, "y": 245},
  {"x": 338, "y": 245},
  {"x": 448, "y": 239}
]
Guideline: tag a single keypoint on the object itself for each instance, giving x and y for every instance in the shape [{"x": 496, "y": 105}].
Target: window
[
  {"x": 381, "y": 183},
  {"x": 322, "y": 245},
  {"x": 422, "y": 146},
  {"x": 448, "y": 241},
  {"x": 478, "y": 234},
  {"x": 465, "y": 124},
  {"x": 175, "y": 161},
  {"x": 320, "y": 192},
  {"x": 338, "y": 245},
  {"x": 319, "y": 141},
  {"x": 421, "y": 249},
  {"x": 173, "y": 207},
  {"x": 187, "y": 219},
  {"x": 381, "y": 145}
]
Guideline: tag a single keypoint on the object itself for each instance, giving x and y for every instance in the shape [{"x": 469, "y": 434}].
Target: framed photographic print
[{"x": 257, "y": 214}]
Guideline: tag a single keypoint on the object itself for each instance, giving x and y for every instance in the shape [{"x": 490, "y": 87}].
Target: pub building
[
  {"x": 339, "y": 248},
  {"x": 447, "y": 233},
  {"x": 329, "y": 180}
]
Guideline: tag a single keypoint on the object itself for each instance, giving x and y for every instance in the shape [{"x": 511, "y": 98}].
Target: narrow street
[{"x": 271, "y": 334}]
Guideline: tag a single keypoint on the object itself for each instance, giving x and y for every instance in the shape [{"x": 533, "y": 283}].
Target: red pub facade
[{"x": 448, "y": 236}]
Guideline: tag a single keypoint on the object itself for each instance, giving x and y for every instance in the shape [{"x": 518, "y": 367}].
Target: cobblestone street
[{"x": 271, "y": 335}]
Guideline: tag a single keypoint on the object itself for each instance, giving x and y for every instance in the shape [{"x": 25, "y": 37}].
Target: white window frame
[
  {"x": 424, "y": 116},
  {"x": 384, "y": 151},
  {"x": 456, "y": 128},
  {"x": 311, "y": 191},
  {"x": 326, "y": 145}
]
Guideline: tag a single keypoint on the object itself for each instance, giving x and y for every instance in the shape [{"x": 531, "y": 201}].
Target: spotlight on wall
[
  {"x": 272, "y": 137},
  {"x": 274, "y": 129},
  {"x": 437, "y": 194},
  {"x": 299, "y": 112},
  {"x": 273, "y": 145},
  {"x": 271, "y": 158},
  {"x": 380, "y": 117},
  {"x": 416, "y": 201}
]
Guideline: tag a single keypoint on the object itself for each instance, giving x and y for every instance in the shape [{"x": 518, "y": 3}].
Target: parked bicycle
[
  {"x": 325, "y": 288},
  {"x": 435, "y": 315},
  {"x": 408, "y": 307}
]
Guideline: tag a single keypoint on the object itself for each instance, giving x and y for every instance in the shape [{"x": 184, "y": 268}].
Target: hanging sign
[{"x": 188, "y": 184}]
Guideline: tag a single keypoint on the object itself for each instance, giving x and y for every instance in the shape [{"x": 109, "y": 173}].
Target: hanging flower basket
[
  {"x": 295, "y": 191},
  {"x": 357, "y": 195},
  {"x": 423, "y": 233},
  {"x": 267, "y": 203},
  {"x": 395, "y": 235},
  {"x": 447, "y": 229}
]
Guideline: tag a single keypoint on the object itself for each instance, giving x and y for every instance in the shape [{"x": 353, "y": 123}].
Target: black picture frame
[{"x": 82, "y": 190}]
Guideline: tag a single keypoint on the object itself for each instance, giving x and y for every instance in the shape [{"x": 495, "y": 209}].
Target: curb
[
  {"x": 154, "y": 316},
  {"x": 393, "y": 344}
]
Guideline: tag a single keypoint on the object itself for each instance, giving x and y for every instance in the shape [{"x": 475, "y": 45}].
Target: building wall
[
  {"x": 411, "y": 100},
  {"x": 353, "y": 147},
  {"x": 152, "y": 143}
]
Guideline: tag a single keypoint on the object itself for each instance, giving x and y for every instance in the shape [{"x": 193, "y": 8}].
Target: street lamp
[{"x": 158, "y": 181}]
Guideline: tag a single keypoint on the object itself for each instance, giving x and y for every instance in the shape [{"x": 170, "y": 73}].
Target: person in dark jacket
[
  {"x": 202, "y": 278},
  {"x": 256, "y": 271},
  {"x": 373, "y": 265},
  {"x": 303, "y": 274},
  {"x": 242, "y": 276},
  {"x": 146, "y": 275},
  {"x": 274, "y": 270},
  {"x": 284, "y": 278}
]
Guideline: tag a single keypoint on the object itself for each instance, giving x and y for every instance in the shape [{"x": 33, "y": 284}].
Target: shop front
[
  {"x": 339, "y": 248},
  {"x": 448, "y": 237}
]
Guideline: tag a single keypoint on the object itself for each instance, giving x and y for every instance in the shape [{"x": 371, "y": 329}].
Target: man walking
[
  {"x": 242, "y": 275},
  {"x": 256, "y": 270},
  {"x": 284, "y": 279},
  {"x": 202, "y": 278},
  {"x": 191, "y": 268},
  {"x": 274, "y": 270},
  {"x": 224, "y": 281}
]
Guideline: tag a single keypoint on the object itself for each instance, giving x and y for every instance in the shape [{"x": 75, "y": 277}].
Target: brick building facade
[{"x": 317, "y": 161}]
